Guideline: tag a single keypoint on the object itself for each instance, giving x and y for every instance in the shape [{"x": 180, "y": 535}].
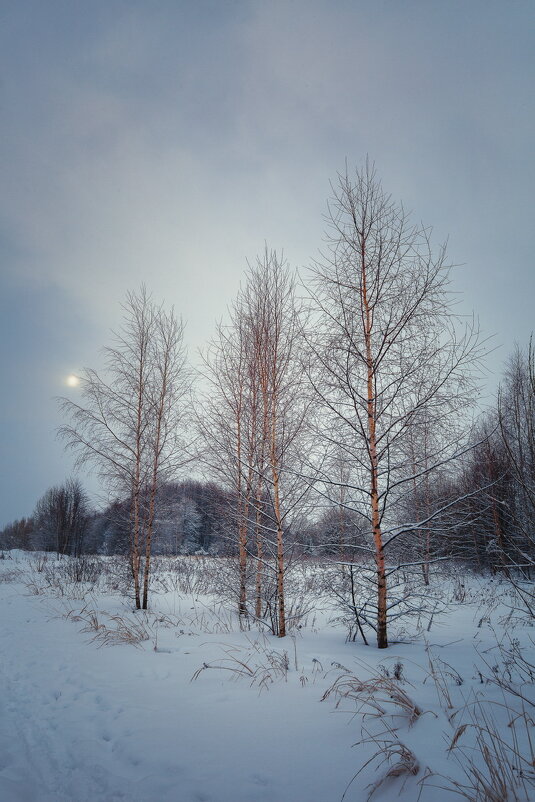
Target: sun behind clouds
[{"x": 72, "y": 380}]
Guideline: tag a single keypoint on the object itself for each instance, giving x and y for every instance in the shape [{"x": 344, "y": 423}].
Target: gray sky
[{"x": 164, "y": 142}]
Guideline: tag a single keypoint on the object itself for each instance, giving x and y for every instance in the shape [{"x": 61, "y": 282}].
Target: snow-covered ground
[{"x": 178, "y": 705}]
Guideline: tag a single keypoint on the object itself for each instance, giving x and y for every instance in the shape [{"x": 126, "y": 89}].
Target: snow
[{"x": 145, "y": 722}]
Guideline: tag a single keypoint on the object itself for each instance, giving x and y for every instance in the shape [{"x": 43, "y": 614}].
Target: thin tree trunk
[
  {"x": 259, "y": 554},
  {"x": 382, "y": 639},
  {"x": 260, "y": 482},
  {"x": 243, "y": 559},
  {"x": 242, "y": 520},
  {"x": 280, "y": 557},
  {"x": 278, "y": 519},
  {"x": 164, "y": 365},
  {"x": 136, "y": 557}
]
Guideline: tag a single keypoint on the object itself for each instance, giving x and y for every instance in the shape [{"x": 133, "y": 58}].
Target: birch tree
[
  {"x": 388, "y": 353},
  {"x": 130, "y": 423},
  {"x": 252, "y": 415},
  {"x": 222, "y": 423},
  {"x": 274, "y": 321}
]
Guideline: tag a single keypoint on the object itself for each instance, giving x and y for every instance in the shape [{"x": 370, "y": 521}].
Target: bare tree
[
  {"x": 221, "y": 420},
  {"x": 516, "y": 418},
  {"x": 252, "y": 415},
  {"x": 17, "y": 534},
  {"x": 131, "y": 424},
  {"x": 167, "y": 392},
  {"x": 389, "y": 356},
  {"x": 61, "y": 518},
  {"x": 277, "y": 336}
]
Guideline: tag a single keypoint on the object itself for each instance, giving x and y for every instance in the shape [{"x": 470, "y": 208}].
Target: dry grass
[
  {"x": 67, "y": 577},
  {"x": 261, "y": 665},
  {"x": 124, "y": 631},
  {"x": 497, "y": 763},
  {"x": 376, "y": 697},
  {"x": 510, "y": 667},
  {"x": 494, "y": 763},
  {"x": 401, "y": 763},
  {"x": 87, "y": 615},
  {"x": 212, "y": 618},
  {"x": 111, "y": 630},
  {"x": 13, "y": 575},
  {"x": 442, "y": 675}
]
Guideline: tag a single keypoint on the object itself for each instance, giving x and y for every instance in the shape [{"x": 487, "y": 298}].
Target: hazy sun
[{"x": 72, "y": 380}]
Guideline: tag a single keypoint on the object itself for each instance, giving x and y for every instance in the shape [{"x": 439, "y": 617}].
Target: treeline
[
  {"x": 193, "y": 517},
  {"x": 486, "y": 508}
]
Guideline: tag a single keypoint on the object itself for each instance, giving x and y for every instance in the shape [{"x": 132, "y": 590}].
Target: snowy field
[{"x": 179, "y": 705}]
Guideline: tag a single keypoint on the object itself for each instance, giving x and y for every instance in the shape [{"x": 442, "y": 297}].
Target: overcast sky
[{"x": 164, "y": 142}]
